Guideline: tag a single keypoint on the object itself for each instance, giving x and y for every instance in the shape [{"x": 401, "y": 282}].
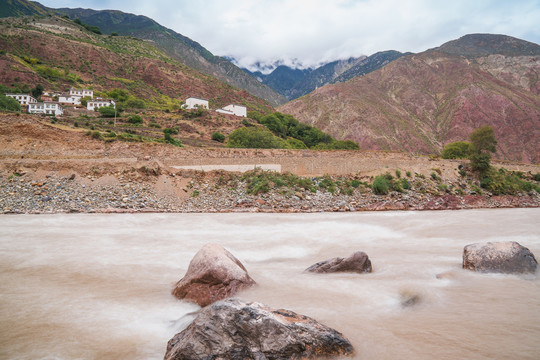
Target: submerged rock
[
  {"x": 213, "y": 274},
  {"x": 358, "y": 262},
  {"x": 237, "y": 330},
  {"x": 500, "y": 257}
]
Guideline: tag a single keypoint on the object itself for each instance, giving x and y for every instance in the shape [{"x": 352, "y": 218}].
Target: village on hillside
[{"x": 52, "y": 103}]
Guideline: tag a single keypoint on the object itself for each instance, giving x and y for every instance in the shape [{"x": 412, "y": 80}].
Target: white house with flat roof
[
  {"x": 193, "y": 103},
  {"x": 81, "y": 92},
  {"x": 233, "y": 109},
  {"x": 98, "y": 103},
  {"x": 46, "y": 107},
  {"x": 23, "y": 99},
  {"x": 69, "y": 99}
]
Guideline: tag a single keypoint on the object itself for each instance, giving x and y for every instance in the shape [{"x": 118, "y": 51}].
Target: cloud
[{"x": 313, "y": 31}]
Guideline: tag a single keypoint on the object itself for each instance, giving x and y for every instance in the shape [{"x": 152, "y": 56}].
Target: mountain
[
  {"x": 418, "y": 103},
  {"x": 21, "y": 7},
  {"x": 282, "y": 78},
  {"x": 176, "y": 45},
  {"x": 369, "y": 64},
  {"x": 294, "y": 83},
  {"x": 59, "y": 53}
]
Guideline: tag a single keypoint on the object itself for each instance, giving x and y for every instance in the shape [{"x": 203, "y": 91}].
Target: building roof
[{"x": 193, "y": 97}]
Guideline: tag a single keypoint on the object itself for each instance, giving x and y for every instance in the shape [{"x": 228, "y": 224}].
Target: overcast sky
[{"x": 310, "y": 32}]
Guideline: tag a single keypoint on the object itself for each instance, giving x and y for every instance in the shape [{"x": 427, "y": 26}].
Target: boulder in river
[
  {"x": 213, "y": 274},
  {"x": 499, "y": 257},
  {"x": 358, "y": 262},
  {"x": 236, "y": 330}
]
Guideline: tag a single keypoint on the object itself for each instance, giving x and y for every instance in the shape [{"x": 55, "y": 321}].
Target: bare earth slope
[
  {"x": 421, "y": 102},
  {"x": 51, "y": 168}
]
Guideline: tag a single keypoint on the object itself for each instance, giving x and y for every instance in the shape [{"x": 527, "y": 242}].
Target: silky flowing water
[{"x": 94, "y": 286}]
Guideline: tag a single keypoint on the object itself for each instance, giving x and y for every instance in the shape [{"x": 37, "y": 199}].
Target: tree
[
  {"x": 483, "y": 140},
  {"x": 456, "y": 150},
  {"x": 37, "y": 91},
  {"x": 84, "y": 100},
  {"x": 135, "y": 119},
  {"x": 482, "y": 143}
]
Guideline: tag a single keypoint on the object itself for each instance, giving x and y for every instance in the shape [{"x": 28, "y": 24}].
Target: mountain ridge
[
  {"x": 423, "y": 101},
  {"x": 184, "y": 49}
]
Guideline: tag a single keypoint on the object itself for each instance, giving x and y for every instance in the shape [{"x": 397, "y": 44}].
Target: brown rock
[
  {"x": 236, "y": 330},
  {"x": 501, "y": 257},
  {"x": 213, "y": 274},
  {"x": 358, "y": 262}
]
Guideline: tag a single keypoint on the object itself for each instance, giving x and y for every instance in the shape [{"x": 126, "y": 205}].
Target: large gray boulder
[
  {"x": 499, "y": 257},
  {"x": 213, "y": 274},
  {"x": 358, "y": 262},
  {"x": 236, "y": 330}
]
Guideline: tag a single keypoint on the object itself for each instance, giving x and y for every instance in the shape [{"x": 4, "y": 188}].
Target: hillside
[
  {"x": 175, "y": 45},
  {"x": 59, "y": 54},
  {"x": 421, "y": 102}
]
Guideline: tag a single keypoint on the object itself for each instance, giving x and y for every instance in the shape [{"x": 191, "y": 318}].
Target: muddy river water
[{"x": 95, "y": 286}]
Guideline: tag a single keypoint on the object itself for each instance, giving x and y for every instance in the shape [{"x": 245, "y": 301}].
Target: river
[{"x": 95, "y": 286}]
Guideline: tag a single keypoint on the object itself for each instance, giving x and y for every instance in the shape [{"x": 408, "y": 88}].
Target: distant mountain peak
[{"x": 479, "y": 45}]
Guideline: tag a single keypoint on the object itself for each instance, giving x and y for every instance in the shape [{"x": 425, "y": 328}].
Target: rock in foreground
[
  {"x": 236, "y": 330},
  {"x": 358, "y": 262},
  {"x": 213, "y": 274},
  {"x": 501, "y": 257}
]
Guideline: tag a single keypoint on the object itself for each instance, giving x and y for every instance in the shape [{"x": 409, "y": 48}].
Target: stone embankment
[{"x": 148, "y": 190}]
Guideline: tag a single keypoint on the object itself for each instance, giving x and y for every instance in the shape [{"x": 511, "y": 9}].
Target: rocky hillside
[
  {"x": 175, "y": 45},
  {"x": 421, "y": 102},
  {"x": 59, "y": 53}
]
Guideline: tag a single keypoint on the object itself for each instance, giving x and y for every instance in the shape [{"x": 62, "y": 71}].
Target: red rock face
[
  {"x": 419, "y": 103},
  {"x": 213, "y": 274}
]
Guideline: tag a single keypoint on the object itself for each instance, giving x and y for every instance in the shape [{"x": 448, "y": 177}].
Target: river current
[{"x": 95, "y": 286}]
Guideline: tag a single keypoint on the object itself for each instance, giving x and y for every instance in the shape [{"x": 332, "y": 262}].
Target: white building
[
  {"x": 23, "y": 99},
  {"x": 47, "y": 107},
  {"x": 70, "y": 99},
  {"x": 234, "y": 109},
  {"x": 81, "y": 92},
  {"x": 193, "y": 103},
  {"x": 98, "y": 102}
]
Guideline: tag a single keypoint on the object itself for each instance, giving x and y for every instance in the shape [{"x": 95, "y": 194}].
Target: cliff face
[{"x": 421, "y": 102}]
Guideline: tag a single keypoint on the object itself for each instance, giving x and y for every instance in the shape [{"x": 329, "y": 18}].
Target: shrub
[
  {"x": 217, "y": 136},
  {"x": 381, "y": 185},
  {"x": 108, "y": 111},
  {"x": 456, "y": 150},
  {"x": 293, "y": 143},
  {"x": 254, "y": 137},
  {"x": 398, "y": 173},
  {"x": 9, "y": 103},
  {"x": 135, "y": 103},
  {"x": 408, "y": 173},
  {"x": 135, "y": 119},
  {"x": 167, "y": 133}
]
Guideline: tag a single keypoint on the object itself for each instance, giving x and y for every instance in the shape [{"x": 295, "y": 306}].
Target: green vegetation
[
  {"x": 287, "y": 127},
  {"x": 456, "y": 150},
  {"x": 91, "y": 28},
  {"x": 285, "y": 132},
  {"x": 135, "y": 120},
  {"x": 482, "y": 143},
  {"x": 504, "y": 182},
  {"x": 217, "y": 136},
  {"x": 381, "y": 185},
  {"x": 254, "y": 137},
  {"x": 168, "y": 133},
  {"x": 9, "y": 104},
  {"x": 108, "y": 111}
]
